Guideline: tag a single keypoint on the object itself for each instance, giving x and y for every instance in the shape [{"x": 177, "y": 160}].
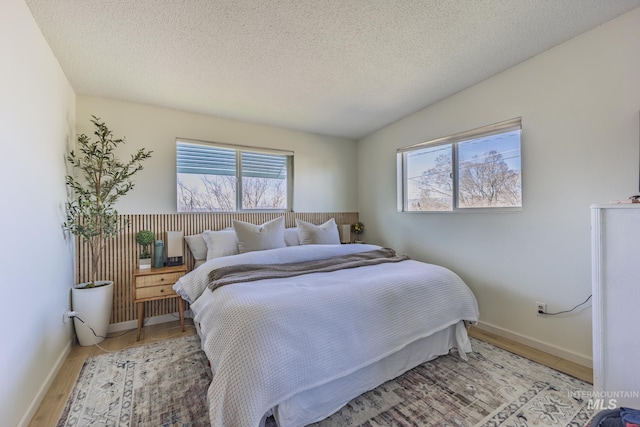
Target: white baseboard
[
  {"x": 133, "y": 324},
  {"x": 37, "y": 400},
  {"x": 580, "y": 359}
]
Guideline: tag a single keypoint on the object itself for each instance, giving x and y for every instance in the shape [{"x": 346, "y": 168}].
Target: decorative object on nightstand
[
  {"x": 346, "y": 233},
  {"x": 156, "y": 284},
  {"x": 100, "y": 181},
  {"x": 174, "y": 248},
  {"x": 145, "y": 238},
  {"x": 158, "y": 254},
  {"x": 358, "y": 228}
]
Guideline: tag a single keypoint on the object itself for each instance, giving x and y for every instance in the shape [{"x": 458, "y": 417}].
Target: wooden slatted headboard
[{"x": 121, "y": 254}]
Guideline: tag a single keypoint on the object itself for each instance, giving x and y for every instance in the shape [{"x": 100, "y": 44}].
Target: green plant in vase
[
  {"x": 357, "y": 229},
  {"x": 98, "y": 180},
  {"x": 145, "y": 238}
]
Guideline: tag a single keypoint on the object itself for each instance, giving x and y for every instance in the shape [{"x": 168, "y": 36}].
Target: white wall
[
  {"x": 325, "y": 178},
  {"x": 579, "y": 104},
  {"x": 37, "y": 114}
]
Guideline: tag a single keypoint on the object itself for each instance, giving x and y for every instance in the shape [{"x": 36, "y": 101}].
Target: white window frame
[
  {"x": 239, "y": 150},
  {"x": 454, "y": 140}
]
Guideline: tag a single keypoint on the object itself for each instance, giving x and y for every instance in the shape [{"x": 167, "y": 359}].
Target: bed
[{"x": 298, "y": 347}]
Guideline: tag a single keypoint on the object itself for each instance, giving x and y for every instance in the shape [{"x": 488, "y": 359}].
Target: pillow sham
[
  {"x": 324, "y": 234},
  {"x": 291, "y": 236},
  {"x": 197, "y": 246},
  {"x": 220, "y": 243},
  {"x": 251, "y": 237}
]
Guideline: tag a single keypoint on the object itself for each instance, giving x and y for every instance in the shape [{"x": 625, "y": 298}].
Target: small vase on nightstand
[
  {"x": 158, "y": 254},
  {"x": 358, "y": 229}
]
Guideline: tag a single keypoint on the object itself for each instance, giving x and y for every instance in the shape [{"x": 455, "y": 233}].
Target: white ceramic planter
[
  {"x": 144, "y": 263},
  {"x": 93, "y": 306}
]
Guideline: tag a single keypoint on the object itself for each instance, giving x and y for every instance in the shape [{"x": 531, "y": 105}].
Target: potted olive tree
[
  {"x": 145, "y": 238},
  {"x": 99, "y": 179}
]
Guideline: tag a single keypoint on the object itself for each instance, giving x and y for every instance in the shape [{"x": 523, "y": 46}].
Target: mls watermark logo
[
  {"x": 601, "y": 400},
  {"x": 600, "y": 404}
]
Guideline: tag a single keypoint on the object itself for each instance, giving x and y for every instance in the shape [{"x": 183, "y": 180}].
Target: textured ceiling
[{"x": 335, "y": 67}]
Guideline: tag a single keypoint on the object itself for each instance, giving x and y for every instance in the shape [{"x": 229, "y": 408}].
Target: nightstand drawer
[
  {"x": 155, "y": 291},
  {"x": 158, "y": 279}
]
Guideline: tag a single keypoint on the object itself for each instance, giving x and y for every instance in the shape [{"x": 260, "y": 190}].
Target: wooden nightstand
[{"x": 157, "y": 283}]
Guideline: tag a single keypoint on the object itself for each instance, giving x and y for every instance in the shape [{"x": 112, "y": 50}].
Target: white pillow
[
  {"x": 269, "y": 235},
  {"x": 324, "y": 234},
  {"x": 220, "y": 243},
  {"x": 291, "y": 236},
  {"x": 197, "y": 246}
]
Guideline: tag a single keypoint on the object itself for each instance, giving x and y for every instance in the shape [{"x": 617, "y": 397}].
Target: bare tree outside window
[
  {"x": 218, "y": 194},
  {"x": 213, "y": 193},
  {"x": 431, "y": 189},
  {"x": 263, "y": 193},
  {"x": 487, "y": 181}
]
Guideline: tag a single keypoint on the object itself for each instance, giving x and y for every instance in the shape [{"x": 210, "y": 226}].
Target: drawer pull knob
[
  {"x": 162, "y": 279},
  {"x": 161, "y": 290}
]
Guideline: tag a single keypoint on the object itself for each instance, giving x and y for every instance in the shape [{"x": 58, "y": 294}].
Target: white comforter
[{"x": 271, "y": 339}]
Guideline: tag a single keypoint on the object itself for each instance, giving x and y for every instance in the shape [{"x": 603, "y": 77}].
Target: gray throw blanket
[{"x": 250, "y": 272}]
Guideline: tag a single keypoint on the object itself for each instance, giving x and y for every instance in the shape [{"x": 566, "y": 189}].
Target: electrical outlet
[
  {"x": 541, "y": 307},
  {"x": 67, "y": 315}
]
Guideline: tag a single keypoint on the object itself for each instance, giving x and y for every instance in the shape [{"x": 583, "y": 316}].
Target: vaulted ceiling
[{"x": 335, "y": 67}]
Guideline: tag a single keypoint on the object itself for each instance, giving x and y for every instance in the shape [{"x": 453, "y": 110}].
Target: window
[
  {"x": 477, "y": 169},
  {"x": 225, "y": 178}
]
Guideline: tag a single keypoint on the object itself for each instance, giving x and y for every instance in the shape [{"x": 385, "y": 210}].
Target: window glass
[
  {"x": 213, "y": 178},
  {"x": 429, "y": 184},
  {"x": 489, "y": 172},
  {"x": 264, "y": 181},
  {"x": 478, "y": 169}
]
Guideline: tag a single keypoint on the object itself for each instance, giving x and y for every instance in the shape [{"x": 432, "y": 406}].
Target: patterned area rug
[
  {"x": 159, "y": 384},
  {"x": 165, "y": 384},
  {"x": 494, "y": 388}
]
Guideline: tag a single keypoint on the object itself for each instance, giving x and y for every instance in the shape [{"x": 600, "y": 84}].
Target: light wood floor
[
  {"x": 53, "y": 403},
  {"x": 570, "y": 368}
]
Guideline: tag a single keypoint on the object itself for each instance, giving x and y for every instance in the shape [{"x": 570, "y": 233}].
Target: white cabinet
[{"x": 615, "y": 236}]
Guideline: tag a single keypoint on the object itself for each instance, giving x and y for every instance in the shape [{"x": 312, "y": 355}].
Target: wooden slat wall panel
[{"x": 121, "y": 253}]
